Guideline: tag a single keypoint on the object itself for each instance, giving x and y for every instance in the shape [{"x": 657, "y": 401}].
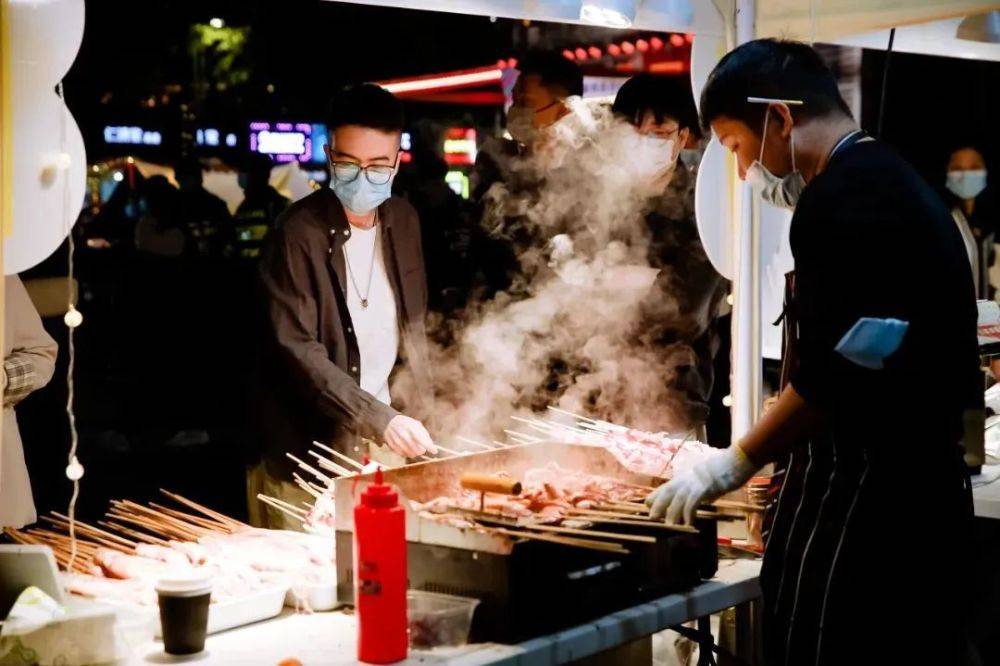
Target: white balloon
[{"x": 49, "y": 161}]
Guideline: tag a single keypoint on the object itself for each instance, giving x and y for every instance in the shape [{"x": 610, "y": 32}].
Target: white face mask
[
  {"x": 780, "y": 191},
  {"x": 520, "y": 124},
  {"x": 966, "y": 183},
  {"x": 653, "y": 158}
]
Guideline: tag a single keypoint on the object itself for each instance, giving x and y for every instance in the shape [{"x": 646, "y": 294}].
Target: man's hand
[
  {"x": 677, "y": 500},
  {"x": 408, "y": 437}
]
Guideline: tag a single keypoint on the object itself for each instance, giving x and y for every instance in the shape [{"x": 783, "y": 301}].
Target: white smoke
[{"x": 572, "y": 331}]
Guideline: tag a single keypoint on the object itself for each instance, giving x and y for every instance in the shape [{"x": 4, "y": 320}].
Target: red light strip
[{"x": 443, "y": 82}]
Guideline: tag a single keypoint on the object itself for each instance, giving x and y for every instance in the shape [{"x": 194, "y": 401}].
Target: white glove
[
  {"x": 678, "y": 499},
  {"x": 408, "y": 437}
]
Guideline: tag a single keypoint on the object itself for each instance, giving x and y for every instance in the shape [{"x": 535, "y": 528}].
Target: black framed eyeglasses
[{"x": 377, "y": 174}]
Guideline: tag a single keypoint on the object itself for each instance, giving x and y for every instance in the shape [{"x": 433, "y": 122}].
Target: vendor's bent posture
[
  {"x": 344, "y": 289},
  {"x": 867, "y": 557},
  {"x": 29, "y": 359}
]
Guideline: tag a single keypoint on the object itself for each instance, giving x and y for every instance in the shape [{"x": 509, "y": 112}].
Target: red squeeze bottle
[{"x": 380, "y": 574}]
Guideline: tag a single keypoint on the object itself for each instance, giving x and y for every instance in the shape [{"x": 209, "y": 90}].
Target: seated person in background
[
  {"x": 29, "y": 359},
  {"x": 975, "y": 212},
  {"x": 682, "y": 310}
]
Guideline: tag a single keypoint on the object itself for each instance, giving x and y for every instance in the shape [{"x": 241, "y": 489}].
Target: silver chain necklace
[{"x": 371, "y": 268}]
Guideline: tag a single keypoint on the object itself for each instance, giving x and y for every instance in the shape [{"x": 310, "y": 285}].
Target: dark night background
[{"x": 139, "y": 367}]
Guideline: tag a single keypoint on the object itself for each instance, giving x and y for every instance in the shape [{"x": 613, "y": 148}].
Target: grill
[{"x": 528, "y": 588}]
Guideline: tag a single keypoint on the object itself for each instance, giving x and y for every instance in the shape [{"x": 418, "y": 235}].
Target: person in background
[
  {"x": 158, "y": 232},
  {"x": 29, "y": 359},
  {"x": 545, "y": 81},
  {"x": 975, "y": 212},
  {"x": 256, "y": 215},
  {"x": 662, "y": 112},
  {"x": 877, "y": 343},
  {"x": 203, "y": 216},
  {"x": 345, "y": 297}
]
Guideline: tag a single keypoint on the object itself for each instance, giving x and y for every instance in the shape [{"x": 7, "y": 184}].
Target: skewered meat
[
  {"x": 547, "y": 494},
  {"x": 195, "y": 554},
  {"x": 652, "y": 454},
  {"x": 163, "y": 554},
  {"x": 119, "y": 565}
]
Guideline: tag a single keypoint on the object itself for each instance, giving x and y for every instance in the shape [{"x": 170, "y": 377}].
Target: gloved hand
[{"x": 678, "y": 499}]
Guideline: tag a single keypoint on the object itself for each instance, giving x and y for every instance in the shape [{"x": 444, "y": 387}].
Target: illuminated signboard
[
  {"x": 289, "y": 142},
  {"x": 460, "y": 146},
  {"x": 134, "y": 136},
  {"x": 210, "y": 136}
]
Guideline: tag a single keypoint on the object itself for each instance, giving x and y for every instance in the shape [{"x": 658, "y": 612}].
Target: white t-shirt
[{"x": 376, "y": 327}]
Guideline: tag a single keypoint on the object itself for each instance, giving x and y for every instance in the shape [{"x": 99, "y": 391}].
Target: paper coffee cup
[{"x": 184, "y": 601}]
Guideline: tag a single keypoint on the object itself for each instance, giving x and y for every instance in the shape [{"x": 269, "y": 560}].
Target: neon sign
[{"x": 131, "y": 135}]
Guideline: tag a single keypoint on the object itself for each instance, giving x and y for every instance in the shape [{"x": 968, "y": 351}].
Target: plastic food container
[{"x": 439, "y": 619}]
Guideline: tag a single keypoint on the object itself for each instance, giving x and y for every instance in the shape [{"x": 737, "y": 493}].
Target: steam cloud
[{"x": 577, "y": 329}]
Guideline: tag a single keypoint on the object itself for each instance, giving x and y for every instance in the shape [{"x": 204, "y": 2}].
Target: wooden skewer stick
[
  {"x": 451, "y": 452},
  {"x": 161, "y": 516},
  {"x": 205, "y": 510},
  {"x": 62, "y": 521},
  {"x": 135, "y": 534},
  {"x": 340, "y": 456},
  {"x": 521, "y": 437},
  {"x": 329, "y": 465},
  {"x": 205, "y": 523},
  {"x": 575, "y": 416},
  {"x": 304, "y": 485},
  {"x": 168, "y": 522},
  {"x": 270, "y": 502},
  {"x": 501, "y": 444},
  {"x": 312, "y": 470},
  {"x": 152, "y": 525},
  {"x": 565, "y": 541},
  {"x": 626, "y": 519},
  {"x": 281, "y": 502},
  {"x": 474, "y": 443},
  {"x": 597, "y": 534},
  {"x": 741, "y": 506}
]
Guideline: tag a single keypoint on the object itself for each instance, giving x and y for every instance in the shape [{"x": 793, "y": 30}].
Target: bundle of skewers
[{"x": 120, "y": 558}]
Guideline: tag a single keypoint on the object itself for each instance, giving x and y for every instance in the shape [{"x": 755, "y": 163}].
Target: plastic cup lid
[{"x": 184, "y": 584}]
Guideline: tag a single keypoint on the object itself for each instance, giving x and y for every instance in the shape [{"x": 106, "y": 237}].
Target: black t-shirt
[{"x": 871, "y": 238}]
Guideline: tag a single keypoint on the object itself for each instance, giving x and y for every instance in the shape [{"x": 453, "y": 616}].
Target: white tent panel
[
  {"x": 697, "y": 16},
  {"x": 827, "y": 20},
  {"x": 935, "y": 38}
]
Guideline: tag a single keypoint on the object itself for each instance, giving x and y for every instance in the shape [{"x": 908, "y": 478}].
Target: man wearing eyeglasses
[{"x": 345, "y": 294}]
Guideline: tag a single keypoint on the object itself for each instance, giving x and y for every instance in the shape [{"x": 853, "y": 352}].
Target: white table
[
  {"x": 986, "y": 500},
  {"x": 330, "y": 638}
]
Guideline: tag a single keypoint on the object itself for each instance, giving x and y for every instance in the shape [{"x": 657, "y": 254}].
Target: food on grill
[{"x": 547, "y": 495}]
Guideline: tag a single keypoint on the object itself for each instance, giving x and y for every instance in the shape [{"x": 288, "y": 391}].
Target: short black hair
[
  {"x": 665, "y": 96},
  {"x": 774, "y": 68},
  {"x": 555, "y": 71},
  {"x": 366, "y": 105}
]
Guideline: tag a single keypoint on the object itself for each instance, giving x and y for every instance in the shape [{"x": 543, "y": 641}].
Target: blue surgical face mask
[
  {"x": 967, "y": 183},
  {"x": 360, "y": 196}
]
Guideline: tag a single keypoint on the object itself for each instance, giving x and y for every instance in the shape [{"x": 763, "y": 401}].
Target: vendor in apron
[{"x": 866, "y": 560}]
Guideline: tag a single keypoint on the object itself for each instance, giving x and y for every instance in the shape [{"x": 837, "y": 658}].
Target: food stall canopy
[
  {"x": 939, "y": 38},
  {"x": 830, "y": 20},
  {"x": 698, "y": 16}
]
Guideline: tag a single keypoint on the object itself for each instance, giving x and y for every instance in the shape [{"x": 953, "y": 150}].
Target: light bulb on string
[
  {"x": 73, "y": 317},
  {"x": 74, "y": 470}
]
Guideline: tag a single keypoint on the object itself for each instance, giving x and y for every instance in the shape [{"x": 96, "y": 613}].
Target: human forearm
[{"x": 779, "y": 429}]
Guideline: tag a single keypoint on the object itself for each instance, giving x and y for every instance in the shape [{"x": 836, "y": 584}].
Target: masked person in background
[
  {"x": 257, "y": 214},
  {"x": 878, "y": 342},
  {"x": 345, "y": 292},
  {"x": 975, "y": 212},
  {"x": 29, "y": 360},
  {"x": 682, "y": 309}
]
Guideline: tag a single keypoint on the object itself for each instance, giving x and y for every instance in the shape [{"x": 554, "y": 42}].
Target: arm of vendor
[
  {"x": 870, "y": 328},
  {"x": 344, "y": 279}
]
